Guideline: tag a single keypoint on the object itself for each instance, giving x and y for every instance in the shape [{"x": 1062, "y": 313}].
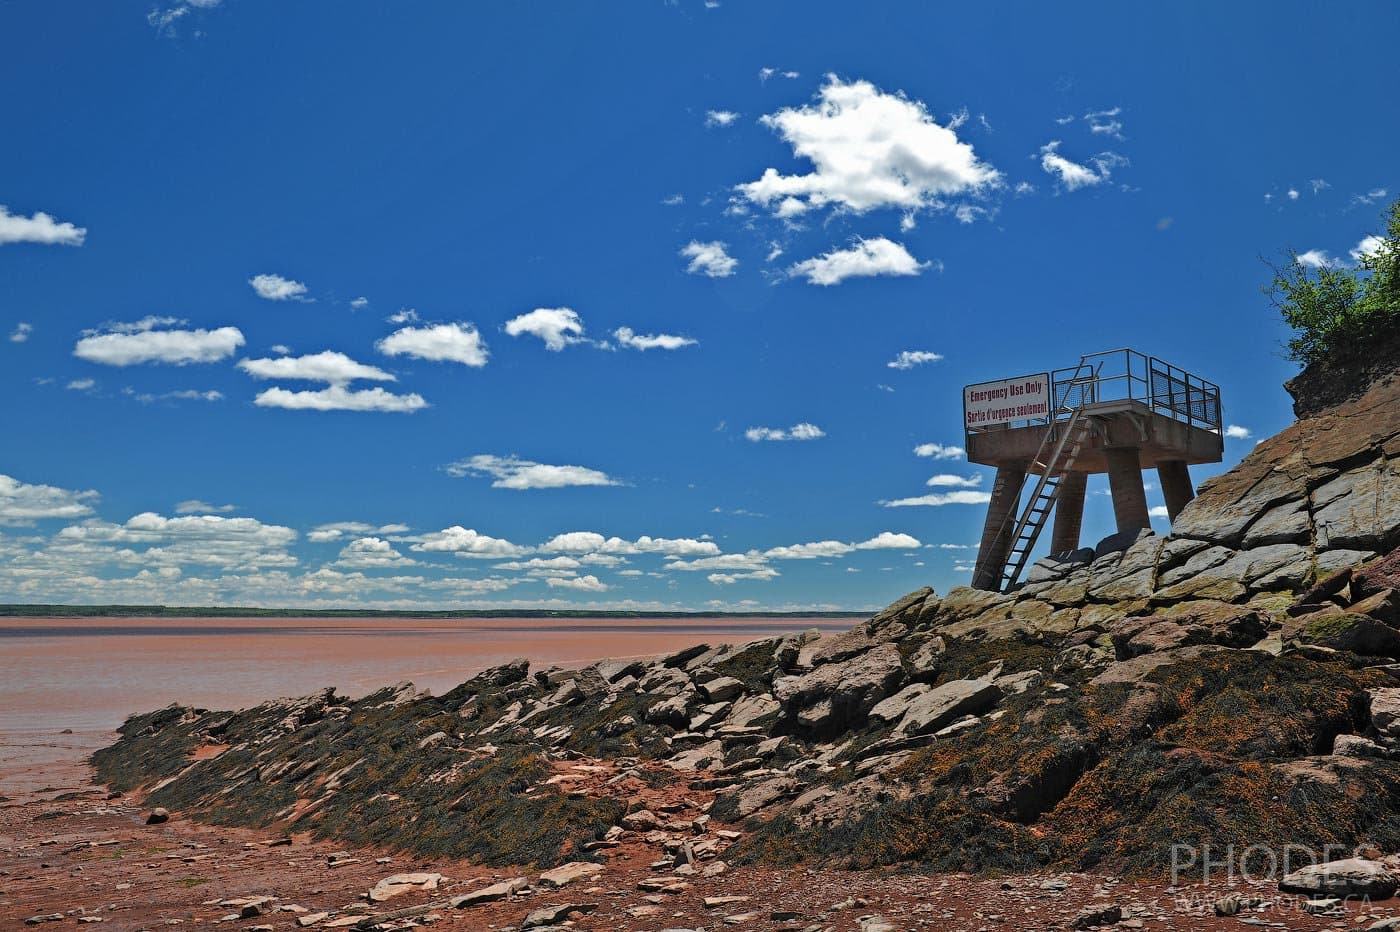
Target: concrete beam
[
  {"x": 1125, "y": 483},
  {"x": 1176, "y": 485},
  {"x": 1000, "y": 525},
  {"x": 1069, "y": 513}
]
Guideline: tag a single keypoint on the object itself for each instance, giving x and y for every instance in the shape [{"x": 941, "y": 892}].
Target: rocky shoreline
[{"x": 1230, "y": 692}]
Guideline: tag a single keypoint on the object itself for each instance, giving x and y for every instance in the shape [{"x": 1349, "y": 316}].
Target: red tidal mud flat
[{"x": 87, "y": 674}]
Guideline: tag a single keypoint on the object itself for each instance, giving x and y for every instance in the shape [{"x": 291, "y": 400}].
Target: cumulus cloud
[
  {"x": 1369, "y": 246},
  {"x": 214, "y": 540},
  {"x": 1236, "y": 432},
  {"x": 642, "y": 341},
  {"x": 360, "y": 303},
  {"x": 328, "y": 366},
  {"x": 763, "y": 574},
  {"x": 141, "y": 342},
  {"x": 944, "y": 480},
  {"x": 941, "y": 498},
  {"x": 466, "y": 542},
  {"x": 183, "y": 394},
  {"x": 865, "y": 259},
  {"x": 591, "y": 542},
  {"x": 720, "y": 118},
  {"x": 578, "y": 583},
  {"x": 23, "y": 503},
  {"x": 195, "y": 506},
  {"x": 710, "y": 259},
  {"x": 340, "y": 398},
  {"x": 888, "y": 540},
  {"x": 1158, "y": 511},
  {"x": 1072, "y": 175},
  {"x": 39, "y": 228},
  {"x": 564, "y": 565},
  {"x": 908, "y": 359},
  {"x": 371, "y": 553},
  {"x": 325, "y": 533},
  {"x": 458, "y": 342},
  {"x": 803, "y": 431},
  {"x": 558, "y": 327},
  {"x": 512, "y": 472},
  {"x": 868, "y": 149},
  {"x": 1315, "y": 259},
  {"x": 939, "y": 451},
  {"x": 21, "y": 332},
  {"x": 277, "y": 288},
  {"x": 752, "y": 561},
  {"x": 816, "y": 550}
]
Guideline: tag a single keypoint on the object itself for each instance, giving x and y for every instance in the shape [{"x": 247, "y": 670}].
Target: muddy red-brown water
[{"x": 85, "y": 675}]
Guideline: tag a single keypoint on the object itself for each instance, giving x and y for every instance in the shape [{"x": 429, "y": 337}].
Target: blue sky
[{"x": 614, "y": 289}]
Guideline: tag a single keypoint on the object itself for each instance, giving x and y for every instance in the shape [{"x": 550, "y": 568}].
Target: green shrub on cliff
[{"x": 1335, "y": 308}]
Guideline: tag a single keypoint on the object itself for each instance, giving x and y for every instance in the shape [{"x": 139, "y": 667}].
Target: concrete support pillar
[
  {"x": 1125, "y": 482},
  {"x": 1069, "y": 513},
  {"x": 1000, "y": 525},
  {"x": 1176, "y": 485}
]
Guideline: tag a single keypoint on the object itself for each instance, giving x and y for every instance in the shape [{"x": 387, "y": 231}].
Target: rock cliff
[{"x": 1233, "y": 683}]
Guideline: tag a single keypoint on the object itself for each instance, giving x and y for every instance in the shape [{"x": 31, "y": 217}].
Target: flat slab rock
[
  {"x": 1348, "y": 877},
  {"x": 390, "y": 887}
]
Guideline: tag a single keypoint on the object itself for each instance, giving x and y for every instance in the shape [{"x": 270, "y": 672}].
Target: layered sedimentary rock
[{"x": 1233, "y": 683}]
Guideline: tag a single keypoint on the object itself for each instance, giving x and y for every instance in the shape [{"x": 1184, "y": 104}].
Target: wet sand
[{"x": 86, "y": 675}]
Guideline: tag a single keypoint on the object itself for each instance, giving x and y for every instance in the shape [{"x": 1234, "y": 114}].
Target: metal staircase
[{"x": 1062, "y": 446}]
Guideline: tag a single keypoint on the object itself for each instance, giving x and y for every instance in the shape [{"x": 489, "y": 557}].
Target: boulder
[
  {"x": 1382, "y": 574},
  {"x": 157, "y": 816},
  {"x": 1202, "y": 622},
  {"x": 1348, "y": 877},
  {"x": 497, "y": 891},
  {"x": 722, "y": 689},
  {"x": 398, "y": 884},
  {"x": 1385, "y": 713},
  {"x": 945, "y": 704},
  {"x": 840, "y": 647},
  {"x": 1383, "y": 606},
  {"x": 837, "y": 695},
  {"x": 1360, "y": 634},
  {"x": 893, "y": 708},
  {"x": 552, "y": 915},
  {"x": 565, "y": 874}
]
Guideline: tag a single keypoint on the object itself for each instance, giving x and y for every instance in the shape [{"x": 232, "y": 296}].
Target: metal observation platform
[{"x": 1117, "y": 412}]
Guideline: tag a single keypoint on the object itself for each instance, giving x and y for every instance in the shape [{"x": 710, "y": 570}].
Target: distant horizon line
[{"x": 57, "y": 610}]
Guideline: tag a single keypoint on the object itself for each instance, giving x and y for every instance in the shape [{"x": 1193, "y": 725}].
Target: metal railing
[{"x": 1129, "y": 376}]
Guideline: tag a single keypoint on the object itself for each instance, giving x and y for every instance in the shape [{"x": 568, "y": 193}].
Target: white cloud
[
  {"x": 365, "y": 553},
  {"x": 803, "y": 431},
  {"x": 327, "y": 366},
  {"x": 21, "y": 503},
  {"x": 511, "y": 472},
  {"x": 888, "y": 540},
  {"x": 868, "y": 149},
  {"x": 711, "y": 259},
  {"x": 131, "y": 344},
  {"x": 201, "y": 539},
  {"x": 1293, "y": 194},
  {"x": 459, "y": 342},
  {"x": 866, "y": 258},
  {"x": 81, "y": 385},
  {"x": 340, "y": 398},
  {"x": 908, "y": 359},
  {"x": 941, "y": 498},
  {"x": 591, "y": 542},
  {"x": 404, "y": 315},
  {"x": 816, "y": 550},
  {"x": 1369, "y": 246},
  {"x": 753, "y": 561},
  {"x": 939, "y": 451},
  {"x": 277, "y": 288},
  {"x": 325, "y": 533},
  {"x": 360, "y": 303},
  {"x": 641, "y": 341},
  {"x": 194, "y": 506},
  {"x": 1236, "y": 432},
  {"x": 184, "y": 394},
  {"x": 281, "y": 349},
  {"x": 21, "y": 332},
  {"x": 1106, "y": 123},
  {"x": 763, "y": 574},
  {"x": 579, "y": 583},
  {"x": 1370, "y": 197},
  {"x": 674, "y": 200},
  {"x": 466, "y": 542},
  {"x": 546, "y": 564},
  {"x": 39, "y": 228},
  {"x": 1158, "y": 511},
  {"x": 944, "y": 480},
  {"x": 720, "y": 118},
  {"x": 558, "y": 327},
  {"x": 1072, "y": 175},
  {"x": 1316, "y": 259}
]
